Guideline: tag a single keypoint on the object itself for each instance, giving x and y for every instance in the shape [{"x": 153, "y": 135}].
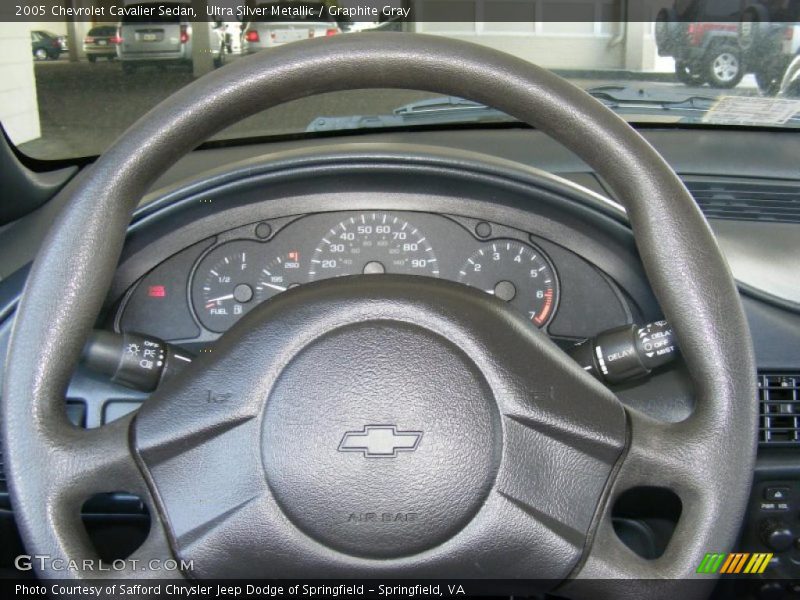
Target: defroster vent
[{"x": 770, "y": 201}]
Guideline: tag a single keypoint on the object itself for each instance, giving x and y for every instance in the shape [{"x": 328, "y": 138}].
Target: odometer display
[
  {"x": 515, "y": 273},
  {"x": 373, "y": 243}
]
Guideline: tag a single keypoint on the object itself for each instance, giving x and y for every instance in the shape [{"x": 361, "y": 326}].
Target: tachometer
[
  {"x": 516, "y": 273},
  {"x": 373, "y": 243},
  {"x": 224, "y": 284}
]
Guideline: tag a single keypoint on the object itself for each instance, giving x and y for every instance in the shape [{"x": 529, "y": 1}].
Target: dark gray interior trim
[
  {"x": 24, "y": 190},
  {"x": 713, "y": 152},
  {"x": 402, "y": 153},
  {"x": 763, "y": 257}
]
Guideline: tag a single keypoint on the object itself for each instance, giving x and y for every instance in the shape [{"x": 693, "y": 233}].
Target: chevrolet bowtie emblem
[{"x": 380, "y": 441}]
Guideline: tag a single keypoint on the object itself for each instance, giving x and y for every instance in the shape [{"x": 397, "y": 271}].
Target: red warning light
[
  {"x": 294, "y": 256},
  {"x": 157, "y": 291}
]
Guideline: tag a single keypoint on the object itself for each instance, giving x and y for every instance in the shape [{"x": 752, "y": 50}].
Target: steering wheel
[{"x": 313, "y": 442}]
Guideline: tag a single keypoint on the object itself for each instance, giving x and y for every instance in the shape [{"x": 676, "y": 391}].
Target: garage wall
[
  {"x": 18, "y": 105},
  {"x": 566, "y": 34},
  {"x": 547, "y": 32},
  {"x": 551, "y": 45}
]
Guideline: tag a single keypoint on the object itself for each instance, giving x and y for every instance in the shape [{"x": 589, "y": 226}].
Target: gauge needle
[
  {"x": 274, "y": 287},
  {"x": 220, "y": 299}
]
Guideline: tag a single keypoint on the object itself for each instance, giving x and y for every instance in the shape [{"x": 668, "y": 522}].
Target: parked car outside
[
  {"x": 274, "y": 28},
  {"x": 46, "y": 45},
  {"x": 702, "y": 36},
  {"x": 155, "y": 39},
  {"x": 164, "y": 38},
  {"x": 769, "y": 38},
  {"x": 100, "y": 42}
]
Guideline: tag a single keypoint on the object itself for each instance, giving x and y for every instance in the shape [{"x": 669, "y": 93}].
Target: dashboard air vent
[
  {"x": 747, "y": 201},
  {"x": 779, "y": 414}
]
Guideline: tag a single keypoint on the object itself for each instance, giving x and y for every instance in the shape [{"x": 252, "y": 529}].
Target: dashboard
[
  {"x": 205, "y": 251},
  {"x": 229, "y": 249}
]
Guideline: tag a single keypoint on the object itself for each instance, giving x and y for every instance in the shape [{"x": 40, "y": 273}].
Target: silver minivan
[
  {"x": 283, "y": 22},
  {"x": 154, "y": 39}
]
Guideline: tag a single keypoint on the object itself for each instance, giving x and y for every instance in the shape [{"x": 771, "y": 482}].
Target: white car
[{"x": 283, "y": 22}]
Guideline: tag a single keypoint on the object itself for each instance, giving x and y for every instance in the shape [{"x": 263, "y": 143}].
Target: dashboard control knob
[
  {"x": 626, "y": 352},
  {"x": 136, "y": 361},
  {"x": 776, "y": 535}
]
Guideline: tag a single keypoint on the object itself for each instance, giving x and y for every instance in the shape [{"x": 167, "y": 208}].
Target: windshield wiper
[
  {"x": 689, "y": 107},
  {"x": 628, "y": 96},
  {"x": 683, "y": 107},
  {"x": 432, "y": 111}
]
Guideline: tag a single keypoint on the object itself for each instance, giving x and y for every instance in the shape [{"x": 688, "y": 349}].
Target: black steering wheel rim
[{"x": 707, "y": 459}]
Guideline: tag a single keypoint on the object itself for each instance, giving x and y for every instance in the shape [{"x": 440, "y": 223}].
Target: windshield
[{"x": 688, "y": 63}]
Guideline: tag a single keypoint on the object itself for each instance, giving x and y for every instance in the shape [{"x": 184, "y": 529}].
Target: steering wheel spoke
[
  {"x": 91, "y": 461},
  {"x": 82, "y": 463},
  {"x": 659, "y": 455}
]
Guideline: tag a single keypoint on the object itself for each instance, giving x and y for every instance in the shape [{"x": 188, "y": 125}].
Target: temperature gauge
[{"x": 280, "y": 274}]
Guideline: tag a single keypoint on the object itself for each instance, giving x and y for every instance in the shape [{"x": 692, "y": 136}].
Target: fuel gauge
[{"x": 224, "y": 285}]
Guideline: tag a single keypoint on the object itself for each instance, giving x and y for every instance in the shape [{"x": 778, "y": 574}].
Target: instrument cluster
[{"x": 252, "y": 264}]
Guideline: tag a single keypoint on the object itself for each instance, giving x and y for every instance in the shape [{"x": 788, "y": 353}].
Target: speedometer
[{"x": 373, "y": 243}]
